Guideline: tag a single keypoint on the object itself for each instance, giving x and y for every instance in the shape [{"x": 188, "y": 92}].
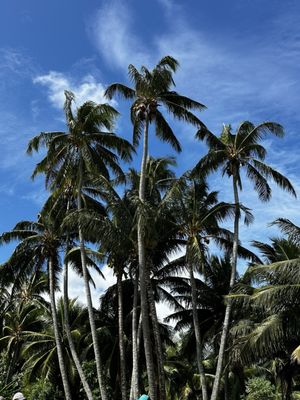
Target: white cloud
[
  {"x": 76, "y": 287},
  {"x": 86, "y": 89}
]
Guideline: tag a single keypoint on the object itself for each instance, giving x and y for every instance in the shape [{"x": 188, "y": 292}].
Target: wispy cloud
[
  {"x": 16, "y": 62},
  {"x": 112, "y": 32}
]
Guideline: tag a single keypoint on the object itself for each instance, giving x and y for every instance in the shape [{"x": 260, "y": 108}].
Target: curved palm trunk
[
  {"x": 197, "y": 334},
  {"x": 142, "y": 272},
  {"x": 226, "y": 322},
  {"x": 60, "y": 357},
  {"x": 100, "y": 375},
  {"x": 157, "y": 339},
  {"x": 74, "y": 354},
  {"x": 121, "y": 338}
]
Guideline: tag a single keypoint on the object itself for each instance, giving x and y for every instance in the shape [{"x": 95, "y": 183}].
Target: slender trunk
[
  {"x": 138, "y": 348},
  {"x": 286, "y": 387},
  {"x": 121, "y": 338},
  {"x": 197, "y": 334},
  {"x": 100, "y": 374},
  {"x": 157, "y": 338},
  {"x": 226, "y": 385},
  {"x": 226, "y": 322},
  {"x": 134, "y": 391},
  {"x": 142, "y": 272},
  {"x": 74, "y": 354},
  {"x": 60, "y": 357},
  {"x": 12, "y": 362}
]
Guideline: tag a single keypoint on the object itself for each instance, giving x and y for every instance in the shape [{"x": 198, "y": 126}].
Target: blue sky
[{"x": 240, "y": 58}]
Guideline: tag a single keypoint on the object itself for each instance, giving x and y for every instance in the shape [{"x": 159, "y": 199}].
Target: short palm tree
[
  {"x": 233, "y": 153},
  {"x": 21, "y": 322},
  {"x": 40, "y": 243},
  {"x": 269, "y": 327},
  {"x": 40, "y": 350},
  {"x": 88, "y": 148},
  {"x": 153, "y": 89}
]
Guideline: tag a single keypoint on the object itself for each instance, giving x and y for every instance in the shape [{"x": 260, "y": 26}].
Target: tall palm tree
[
  {"x": 118, "y": 250},
  {"x": 152, "y": 89},
  {"x": 86, "y": 149},
  {"x": 60, "y": 204},
  {"x": 198, "y": 214},
  {"x": 232, "y": 153}
]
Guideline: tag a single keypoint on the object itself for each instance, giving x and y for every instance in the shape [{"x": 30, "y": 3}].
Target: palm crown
[
  {"x": 152, "y": 89},
  {"x": 232, "y": 152},
  {"x": 88, "y": 140}
]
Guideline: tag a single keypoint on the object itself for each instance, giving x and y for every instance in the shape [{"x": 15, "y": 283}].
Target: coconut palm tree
[
  {"x": 40, "y": 350},
  {"x": 21, "y": 322},
  {"x": 269, "y": 327},
  {"x": 233, "y": 153},
  {"x": 198, "y": 214},
  {"x": 86, "y": 149},
  {"x": 152, "y": 89},
  {"x": 118, "y": 250},
  {"x": 39, "y": 246},
  {"x": 60, "y": 204}
]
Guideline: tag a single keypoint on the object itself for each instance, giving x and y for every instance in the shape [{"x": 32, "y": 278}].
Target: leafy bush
[
  {"x": 7, "y": 389},
  {"x": 259, "y": 389},
  {"x": 42, "y": 389}
]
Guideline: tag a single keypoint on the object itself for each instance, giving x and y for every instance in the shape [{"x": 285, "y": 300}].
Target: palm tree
[
  {"x": 269, "y": 327},
  {"x": 40, "y": 349},
  {"x": 39, "y": 245},
  {"x": 21, "y": 322},
  {"x": 198, "y": 214},
  {"x": 87, "y": 149},
  {"x": 152, "y": 89},
  {"x": 118, "y": 250},
  {"x": 60, "y": 204},
  {"x": 232, "y": 153}
]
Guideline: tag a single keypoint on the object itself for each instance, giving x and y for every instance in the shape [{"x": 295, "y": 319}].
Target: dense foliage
[{"x": 227, "y": 336}]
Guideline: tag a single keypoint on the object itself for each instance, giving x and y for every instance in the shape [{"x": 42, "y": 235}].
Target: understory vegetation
[{"x": 227, "y": 336}]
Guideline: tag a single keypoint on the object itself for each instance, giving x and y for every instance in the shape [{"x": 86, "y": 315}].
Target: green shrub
[
  {"x": 42, "y": 389},
  {"x": 259, "y": 389}
]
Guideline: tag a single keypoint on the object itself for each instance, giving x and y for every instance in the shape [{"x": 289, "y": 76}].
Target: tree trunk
[
  {"x": 197, "y": 334},
  {"x": 157, "y": 338},
  {"x": 226, "y": 385},
  {"x": 226, "y": 322},
  {"x": 60, "y": 356},
  {"x": 100, "y": 374},
  {"x": 74, "y": 354},
  {"x": 134, "y": 391},
  {"x": 286, "y": 385},
  {"x": 121, "y": 338},
  {"x": 142, "y": 264}
]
